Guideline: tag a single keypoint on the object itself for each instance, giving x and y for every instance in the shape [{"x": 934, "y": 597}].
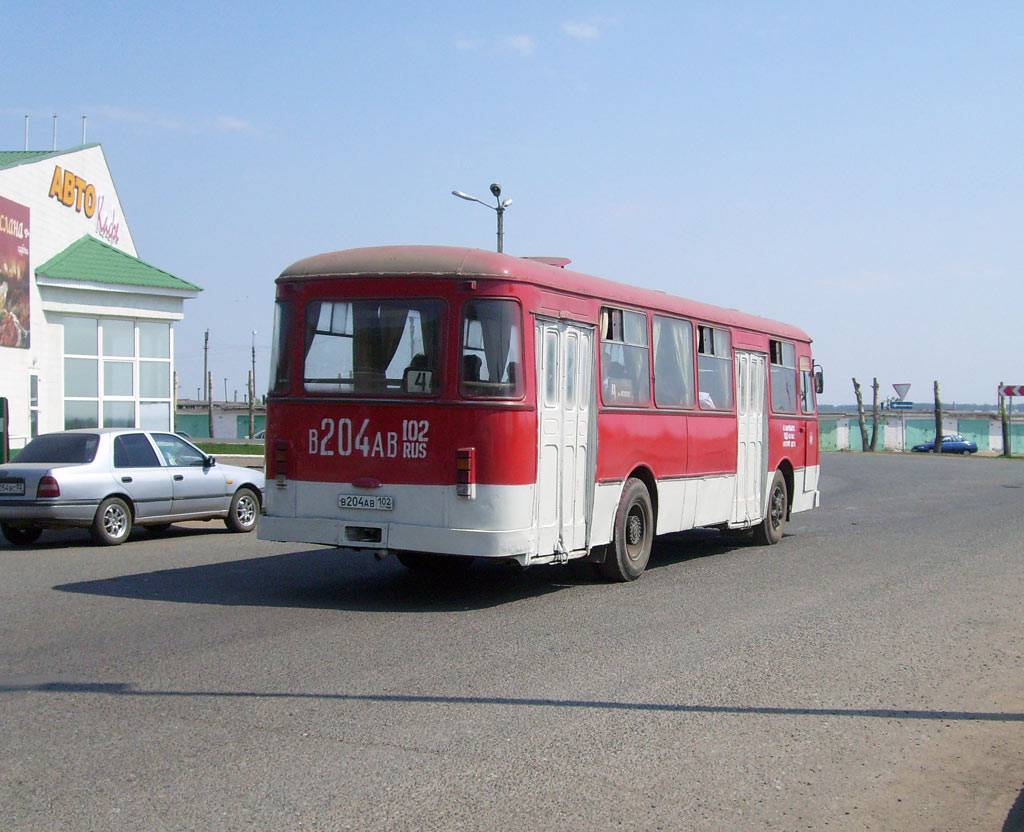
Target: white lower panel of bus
[
  {"x": 498, "y": 522},
  {"x": 682, "y": 504},
  {"x": 807, "y": 495},
  {"x": 697, "y": 501}
]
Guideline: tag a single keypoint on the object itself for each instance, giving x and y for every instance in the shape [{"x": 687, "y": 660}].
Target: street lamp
[{"x": 499, "y": 209}]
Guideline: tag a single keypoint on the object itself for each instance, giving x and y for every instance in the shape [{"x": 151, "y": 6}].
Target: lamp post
[{"x": 499, "y": 209}]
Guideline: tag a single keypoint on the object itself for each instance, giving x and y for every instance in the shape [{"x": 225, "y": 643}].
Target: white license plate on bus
[
  {"x": 16, "y": 489},
  {"x": 377, "y": 502}
]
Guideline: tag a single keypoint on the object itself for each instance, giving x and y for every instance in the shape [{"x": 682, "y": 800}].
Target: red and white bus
[{"x": 442, "y": 403}]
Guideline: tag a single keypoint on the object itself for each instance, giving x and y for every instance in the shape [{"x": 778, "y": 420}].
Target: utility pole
[
  {"x": 206, "y": 350},
  {"x": 252, "y": 390},
  {"x": 209, "y": 401}
]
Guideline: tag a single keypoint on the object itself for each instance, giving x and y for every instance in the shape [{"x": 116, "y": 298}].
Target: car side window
[
  {"x": 177, "y": 452},
  {"x": 132, "y": 450}
]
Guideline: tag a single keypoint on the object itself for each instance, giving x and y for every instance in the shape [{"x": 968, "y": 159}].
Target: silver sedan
[{"x": 112, "y": 479}]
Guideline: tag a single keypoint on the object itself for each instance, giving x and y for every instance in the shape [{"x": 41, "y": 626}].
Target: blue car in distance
[{"x": 952, "y": 443}]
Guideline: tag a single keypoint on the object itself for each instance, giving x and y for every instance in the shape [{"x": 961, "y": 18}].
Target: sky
[{"x": 854, "y": 169}]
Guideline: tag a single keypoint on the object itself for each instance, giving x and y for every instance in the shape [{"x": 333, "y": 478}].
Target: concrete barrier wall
[{"x": 841, "y": 431}]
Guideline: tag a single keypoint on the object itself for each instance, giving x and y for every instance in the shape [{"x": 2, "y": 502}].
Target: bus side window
[
  {"x": 714, "y": 368},
  {"x": 673, "y": 362},
  {"x": 625, "y": 358},
  {"x": 491, "y": 349},
  {"x": 783, "y": 376}
]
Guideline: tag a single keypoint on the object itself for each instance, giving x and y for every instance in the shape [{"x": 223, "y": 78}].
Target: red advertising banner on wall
[{"x": 14, "y": 274}]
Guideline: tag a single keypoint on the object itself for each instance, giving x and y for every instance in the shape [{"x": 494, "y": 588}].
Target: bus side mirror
[{"x": 819, "y": 382}]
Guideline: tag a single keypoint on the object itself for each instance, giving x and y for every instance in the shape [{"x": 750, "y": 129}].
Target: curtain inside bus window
[
  {"x": 491, "y": 349},
  {"x": 372, "y": 347},
  {"x": 625, "y": 358},
  {"x": 279, "y": 347},
  {"x": 673, "y": 362},
  {"x": 714, "y": 368},
  {"x": 783, "y": 376}
]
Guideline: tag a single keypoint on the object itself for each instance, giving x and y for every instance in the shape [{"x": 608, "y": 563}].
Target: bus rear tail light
[
  {"x": 465, "y": 472},
  {"x": 48, "y": 487},
  {"x": 280, "y": 461}
]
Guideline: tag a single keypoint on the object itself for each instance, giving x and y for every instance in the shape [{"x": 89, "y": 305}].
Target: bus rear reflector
[
  {"x": 280, "y": 460},
  {"x": 48, "y": 487},
  {"x": 465, "y": 471}
]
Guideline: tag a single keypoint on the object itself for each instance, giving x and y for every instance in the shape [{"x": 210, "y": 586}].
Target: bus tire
[
  {"x": 632, "y": 535},
  {"x": 769, "y": 531}
]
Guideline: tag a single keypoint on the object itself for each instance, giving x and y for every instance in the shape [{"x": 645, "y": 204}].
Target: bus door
[
  {"x": 565, "y": 404},
  {"x": 752, "y": 450}
]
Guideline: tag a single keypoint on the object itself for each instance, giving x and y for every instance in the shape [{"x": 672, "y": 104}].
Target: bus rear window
[
  {"x": 492, "y": 356},
  {"x": 373, "y": 347}
]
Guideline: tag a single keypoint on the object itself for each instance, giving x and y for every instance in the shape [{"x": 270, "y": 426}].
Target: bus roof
[{"x": 463, "y": 263}]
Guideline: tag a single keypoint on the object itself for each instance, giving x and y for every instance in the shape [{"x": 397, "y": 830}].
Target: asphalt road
[{"x": 865, "y": 673}]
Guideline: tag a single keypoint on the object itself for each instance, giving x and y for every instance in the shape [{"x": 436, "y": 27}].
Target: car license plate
[
  {"x": 376, "y": 502},
  {"x": 14, "y": 488}
]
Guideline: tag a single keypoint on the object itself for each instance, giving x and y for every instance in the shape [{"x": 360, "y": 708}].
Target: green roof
[
  {"x": 13, "y": 158},
  {"x": 92, "y": 260}
]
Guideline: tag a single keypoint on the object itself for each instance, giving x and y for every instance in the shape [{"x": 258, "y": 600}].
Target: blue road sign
[{"x": 901, "y": 405}]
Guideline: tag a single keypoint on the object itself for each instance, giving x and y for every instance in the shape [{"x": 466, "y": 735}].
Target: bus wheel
[
  {"x": 632, "y": 536},
  {"x": 769, "y": 531},
  {"x": 438, "y": 564}
]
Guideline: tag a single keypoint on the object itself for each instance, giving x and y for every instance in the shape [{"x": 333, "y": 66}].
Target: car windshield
[{"x": 60, "y": 447}]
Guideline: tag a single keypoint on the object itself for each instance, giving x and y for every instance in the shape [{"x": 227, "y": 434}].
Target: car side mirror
[{"x": 210, "y": 461}]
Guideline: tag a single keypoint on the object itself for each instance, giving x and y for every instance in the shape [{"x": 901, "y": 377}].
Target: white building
[{"x": 86, "y": 328}]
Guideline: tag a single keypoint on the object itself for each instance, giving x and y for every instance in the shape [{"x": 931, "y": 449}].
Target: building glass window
[
  {"x": 33, "y": 406},
  {"x": 105, "y": 375}
]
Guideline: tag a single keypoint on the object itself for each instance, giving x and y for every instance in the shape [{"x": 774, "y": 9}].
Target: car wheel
[
  {"x": 245, "y": 506},
  {"x": 633, "y": 535},
  {"x": 112, "y": 523},
  {"x": 769, "y": 531},
  {"x": 20, "y": 536}
]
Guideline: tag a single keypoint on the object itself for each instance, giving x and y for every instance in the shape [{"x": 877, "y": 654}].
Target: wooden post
[
  {"x": 860, "y": 416},
  {"x": 874, "y": 417},
  {"x": 938, "y": 422}
]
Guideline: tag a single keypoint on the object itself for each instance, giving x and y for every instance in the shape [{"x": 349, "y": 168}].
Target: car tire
[
  {"x": 633, "y": 535},
  {"x": 112, "y": 523},
  {"x": 245, "y": 508},
  {"x": 20, "y": 535},
  {"x": 769, "y": 531}
]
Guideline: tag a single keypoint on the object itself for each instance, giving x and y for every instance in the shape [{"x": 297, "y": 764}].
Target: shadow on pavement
[
  {"x": 1015, "y": 820},
  {"x": 62, "y": 685}
]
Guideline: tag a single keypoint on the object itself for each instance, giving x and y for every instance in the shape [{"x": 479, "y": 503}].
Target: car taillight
[
  {"x": 48, "y": 488},
  {"x": 465, "y": 472},
  {"x": 280, "y": 460}
]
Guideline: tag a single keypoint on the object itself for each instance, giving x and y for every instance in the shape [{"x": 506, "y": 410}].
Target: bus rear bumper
[{"x": 398, "y": 536}]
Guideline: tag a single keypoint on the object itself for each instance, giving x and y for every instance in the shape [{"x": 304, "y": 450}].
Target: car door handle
[
  {"x": 126, "y": 479},
  {"x": 179, "y": 477}
]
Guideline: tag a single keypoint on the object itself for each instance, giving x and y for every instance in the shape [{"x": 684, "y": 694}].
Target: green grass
[{"x": 227, "y": 449}]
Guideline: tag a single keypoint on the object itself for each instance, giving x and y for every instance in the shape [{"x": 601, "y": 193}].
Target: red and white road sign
[{"x": 1011, "y": 390}]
